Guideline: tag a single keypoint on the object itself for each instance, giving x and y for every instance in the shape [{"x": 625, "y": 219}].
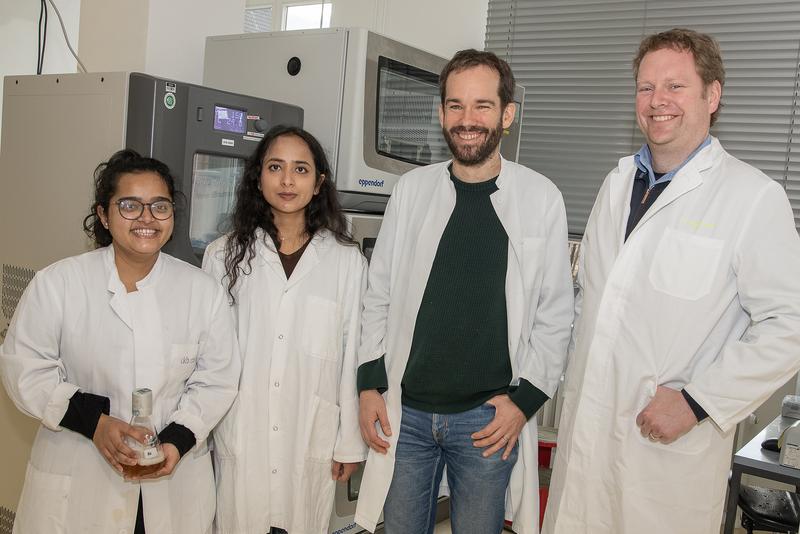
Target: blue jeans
[{"x": 428, "y": 442}]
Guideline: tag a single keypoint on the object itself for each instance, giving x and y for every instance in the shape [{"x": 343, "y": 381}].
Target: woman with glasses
[
  {"x": 295, "y": 278},
  {"x": 91, "y": 329}
]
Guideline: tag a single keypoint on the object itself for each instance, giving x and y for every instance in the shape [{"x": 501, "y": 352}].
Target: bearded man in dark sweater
[{"x": 466, "y": 323}]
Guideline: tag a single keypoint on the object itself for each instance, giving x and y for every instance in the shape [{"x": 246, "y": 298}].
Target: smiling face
[
  {"x": 673, "y": 107},
  {"x": 289, "y": 177},
  {"x": 141, "y": 239},
  {"x": 472, "y": 117}
]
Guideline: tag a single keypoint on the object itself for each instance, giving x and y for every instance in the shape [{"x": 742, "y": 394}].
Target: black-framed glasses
[{"x": 132, "y": 209}]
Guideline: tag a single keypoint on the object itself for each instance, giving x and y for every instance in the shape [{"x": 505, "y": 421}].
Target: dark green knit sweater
[{"x": 459, "y": 353}]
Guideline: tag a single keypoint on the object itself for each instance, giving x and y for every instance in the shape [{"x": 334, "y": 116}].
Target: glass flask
[{"x": 151, "y": 455}]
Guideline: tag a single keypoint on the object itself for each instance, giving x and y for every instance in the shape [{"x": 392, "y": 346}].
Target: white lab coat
[
  {"x": 673, "y": 306},
  {"x": 297, "y": 409},
  {"x": 76, "y": 327},
  {"x": 539, "y": 299}
]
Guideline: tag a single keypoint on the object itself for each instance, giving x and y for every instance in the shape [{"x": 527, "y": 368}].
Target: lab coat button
[
  {"x": 274, "y": 471},
  {"x": 280, "y": 336},
  {"x": 275, "y": 428},
  {"x": 277, "y": 384}
]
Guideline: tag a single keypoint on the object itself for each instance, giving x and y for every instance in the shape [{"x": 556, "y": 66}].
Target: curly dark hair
[
  {"x": 252, "y": 211},
  {"x": 106, "y": 179}
]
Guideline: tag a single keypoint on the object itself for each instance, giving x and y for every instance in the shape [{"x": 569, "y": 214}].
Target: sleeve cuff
[
  {"x": 178, "y": 435},
  {"x": 527, "y": 397},
  {"x": 57, "y": 405},
  {"x": 698, "y": 410},
  {"x": 372, "y": 375},
  {"x": 84, "y": 411}
]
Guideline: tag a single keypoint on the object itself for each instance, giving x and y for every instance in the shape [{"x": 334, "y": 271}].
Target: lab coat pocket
[
  {"x": 320, "y": 328},
  {"x": 323, "y": 427},
  {"x": 182, "y": 360},
  {"x": 44, "y": 502},
  {"x": 685, "y": 265}
]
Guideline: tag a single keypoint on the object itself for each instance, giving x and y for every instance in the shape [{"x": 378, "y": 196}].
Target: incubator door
[
  {"x": 408, "y": 117},
  {"x": 214, "y": 181}
]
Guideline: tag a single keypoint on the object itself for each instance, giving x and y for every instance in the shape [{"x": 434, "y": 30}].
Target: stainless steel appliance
[{"x": 371, "y": 101}]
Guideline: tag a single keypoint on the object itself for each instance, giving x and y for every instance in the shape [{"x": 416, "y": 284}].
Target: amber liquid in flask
[{"x": 151, "y": 455}]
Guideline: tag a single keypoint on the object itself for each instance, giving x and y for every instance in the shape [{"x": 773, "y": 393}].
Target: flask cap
[{"x": 142, "y": 402}]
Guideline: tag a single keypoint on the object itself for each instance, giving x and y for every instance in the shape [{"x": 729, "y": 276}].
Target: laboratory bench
[{"x": 753, "y": 460}]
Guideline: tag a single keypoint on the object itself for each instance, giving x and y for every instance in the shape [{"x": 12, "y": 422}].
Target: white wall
[
  {"x": 162, "y": 37},
  {"x": 177, "y": 31},
  {"x": 442, "y": 26},
  {"x": 19, "y": 26},
  {"x": 359, "y": 14},
  {"x": 113, "y": 34}
]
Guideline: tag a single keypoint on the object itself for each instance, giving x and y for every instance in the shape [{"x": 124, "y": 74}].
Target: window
[
  {"x": 574, "y": 59},
  {"x": 306, "y": 16},
  {"x": 258, "y": 19},
  {"x": 408, "y": 117}
]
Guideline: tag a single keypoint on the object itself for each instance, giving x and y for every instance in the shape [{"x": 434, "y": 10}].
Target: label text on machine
[{"x": 370, "y": 183}]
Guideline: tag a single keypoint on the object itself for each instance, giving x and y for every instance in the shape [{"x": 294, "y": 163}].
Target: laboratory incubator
[{"x": 372, "y": 101}]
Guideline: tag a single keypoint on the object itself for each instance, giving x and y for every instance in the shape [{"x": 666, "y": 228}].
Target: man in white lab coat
[
  {"x": 688, "y": 315},
  {"x": 466, "y": 322}
]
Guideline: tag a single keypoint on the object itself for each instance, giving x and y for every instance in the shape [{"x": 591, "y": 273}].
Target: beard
[{"x": 473, "y": 155}]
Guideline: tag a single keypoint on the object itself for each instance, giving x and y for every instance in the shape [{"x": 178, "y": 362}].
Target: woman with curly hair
[
  {"x": 93, "y": 328},
  {"x": 295, "y": 279}
]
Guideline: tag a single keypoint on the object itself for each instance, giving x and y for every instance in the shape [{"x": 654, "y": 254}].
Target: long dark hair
[
  {"x": 252, "y": 211},
  {"x": 106, "y": 179}
]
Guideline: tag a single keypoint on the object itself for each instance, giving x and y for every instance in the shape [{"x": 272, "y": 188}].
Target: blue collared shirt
[{"x": 644, "y": 161}]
